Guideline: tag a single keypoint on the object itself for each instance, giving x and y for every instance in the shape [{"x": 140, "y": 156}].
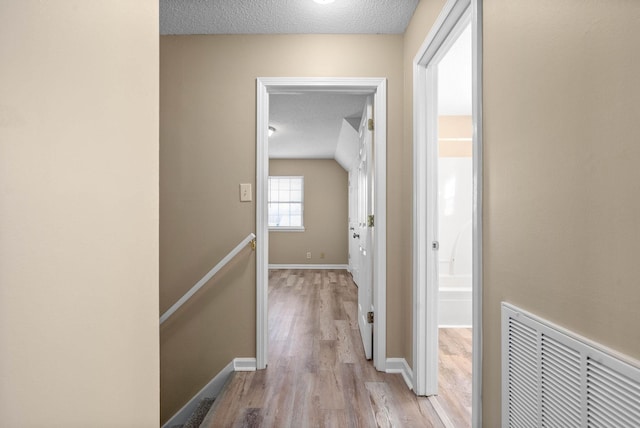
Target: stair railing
[{"x": 249, "y": 239}]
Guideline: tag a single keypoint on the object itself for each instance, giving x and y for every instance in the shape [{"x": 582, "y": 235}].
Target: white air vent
[{"x": 554, "y": 378}]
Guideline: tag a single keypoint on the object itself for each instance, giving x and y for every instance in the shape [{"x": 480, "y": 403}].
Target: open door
[
  {"x": 365, "y": 228},
  {"x": 429, "y": 226},
  {"x": 352, "y": 233},
  {"x": 374, "y": 295}
]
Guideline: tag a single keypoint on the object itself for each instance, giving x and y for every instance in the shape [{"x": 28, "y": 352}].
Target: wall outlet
[
  {"x": 308, "y": 254},
  {"x": 322, "y": 255}
]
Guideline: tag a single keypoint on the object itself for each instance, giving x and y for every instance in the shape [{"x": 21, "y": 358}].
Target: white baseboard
[
  {"x": 244, "y": 364},
  {"x": 309, "y": 266},
  {"x": 400, "y": 365},
  {"x": 211, "y": 389}
]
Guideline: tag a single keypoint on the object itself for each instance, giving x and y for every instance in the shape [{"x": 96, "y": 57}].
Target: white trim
[
  {"x": 193, "y": 290},
  {"x": 286, "y": 229},
  {"x": 477, "y": 88},
  {"x": 244, "y": 364},
  {"x": 368, "y": 85},
  {"x": 380, "y": 236},
  {"x": 308, "y": 266},
  {"x": 400, "y": 365},
  {"x": 262, "y": 223},
  {"x": 446, "y": 22},
  {"x": 210, "y": 390}
]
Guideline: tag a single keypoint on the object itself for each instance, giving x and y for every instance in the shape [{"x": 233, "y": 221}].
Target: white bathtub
[{"x": 454, "y": 301}]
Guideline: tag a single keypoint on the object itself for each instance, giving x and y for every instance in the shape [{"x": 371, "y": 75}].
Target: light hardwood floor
[
  {"x": 317, "y": 374},
  {"x": 454, "y": 383}
]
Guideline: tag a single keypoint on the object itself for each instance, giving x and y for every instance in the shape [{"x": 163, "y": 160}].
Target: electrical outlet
[
  {"x": 308, "y": 254},
  {"x": 322, "y": 255}
]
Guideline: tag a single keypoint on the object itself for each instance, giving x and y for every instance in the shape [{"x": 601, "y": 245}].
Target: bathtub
[{"x": 454, "y": 301}]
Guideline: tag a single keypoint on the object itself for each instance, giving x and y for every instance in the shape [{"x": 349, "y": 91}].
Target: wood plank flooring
[
  {"x": 454, "y": 383},
  {"x": 317, "y": 374}
]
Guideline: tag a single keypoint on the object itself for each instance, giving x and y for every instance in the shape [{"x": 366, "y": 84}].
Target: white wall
[
  {"x": 455, "y": 185},
  {"x": 79, "y": 213},
  {"x": 455, "y": 200},
  {"x": 455, "y": 204}
]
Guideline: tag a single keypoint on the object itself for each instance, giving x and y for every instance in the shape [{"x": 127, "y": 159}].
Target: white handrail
[{"x": 207, "y": 277}]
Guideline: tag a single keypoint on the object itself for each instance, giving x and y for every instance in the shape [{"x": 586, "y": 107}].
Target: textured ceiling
[
  {"x": 285, "y": 16},
  {"x": 308, "y": 123}
]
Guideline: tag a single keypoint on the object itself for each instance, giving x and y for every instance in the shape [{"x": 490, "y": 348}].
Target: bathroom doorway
[
  {"x": 454, "y": 213},
  {"x": 448, "y": 210}
]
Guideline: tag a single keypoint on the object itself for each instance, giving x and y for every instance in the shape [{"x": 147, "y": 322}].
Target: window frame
[{"x": 300, "y": 228}]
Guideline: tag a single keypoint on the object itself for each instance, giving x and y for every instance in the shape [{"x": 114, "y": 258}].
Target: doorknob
[{"x": 356, "y": 235}]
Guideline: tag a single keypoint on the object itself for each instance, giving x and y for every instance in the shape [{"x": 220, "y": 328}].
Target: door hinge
[
  {"x": 370, "y": 124},
  {"x": 370, "y": 317},
  {"x": 370, "y": 220}
]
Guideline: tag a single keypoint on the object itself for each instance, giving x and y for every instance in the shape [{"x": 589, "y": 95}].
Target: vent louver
[{"x": 554, "y": 378}]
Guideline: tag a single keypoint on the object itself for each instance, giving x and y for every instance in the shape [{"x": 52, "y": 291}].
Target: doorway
[
  {"x": 448, "y": 208},
  {"x": 376, "y": 88},
  {"x": 453, "y": 219}
]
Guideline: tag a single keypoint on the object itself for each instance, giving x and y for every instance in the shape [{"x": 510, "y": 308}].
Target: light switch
[{"x": 245, "y": 192}]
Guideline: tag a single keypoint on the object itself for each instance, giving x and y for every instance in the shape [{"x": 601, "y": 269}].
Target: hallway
[{"x": 317, "y": 374}]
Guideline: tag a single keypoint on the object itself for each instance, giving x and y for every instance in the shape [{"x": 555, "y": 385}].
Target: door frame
[
  {"x": 353, "y": 199},
  {"x": 364, "y": 85},
  {"x": 425, "y": 320}
]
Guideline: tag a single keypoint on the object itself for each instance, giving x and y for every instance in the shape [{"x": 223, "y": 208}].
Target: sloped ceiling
[{"x": 308, "y": 124}]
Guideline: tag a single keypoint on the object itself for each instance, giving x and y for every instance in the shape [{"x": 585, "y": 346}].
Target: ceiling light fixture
[
  {"x": 324, "y": 1},
  {"x": 271, "y": 130}
]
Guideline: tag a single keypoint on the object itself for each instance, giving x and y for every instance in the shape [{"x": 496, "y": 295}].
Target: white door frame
[
  {"x": 353, "y": 214},
  {"x": 377, "y": 87},
  {"x": 425, "y": 320}
]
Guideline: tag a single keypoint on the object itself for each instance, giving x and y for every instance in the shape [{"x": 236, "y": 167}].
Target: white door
[
  {"x": 354, "y": 243},
  {"x": 364, "y": 232}
]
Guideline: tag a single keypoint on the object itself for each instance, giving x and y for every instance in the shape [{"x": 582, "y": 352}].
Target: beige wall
[
  {"x": 208, "y": 98},
  {"x": 562, "y": 235},
  {"x": 326, "y": 197},
  {"x": 79, "y": 214}
]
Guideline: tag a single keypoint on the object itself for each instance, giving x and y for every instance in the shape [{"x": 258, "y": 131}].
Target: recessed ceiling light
[{"x": 324, "y": 1}]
